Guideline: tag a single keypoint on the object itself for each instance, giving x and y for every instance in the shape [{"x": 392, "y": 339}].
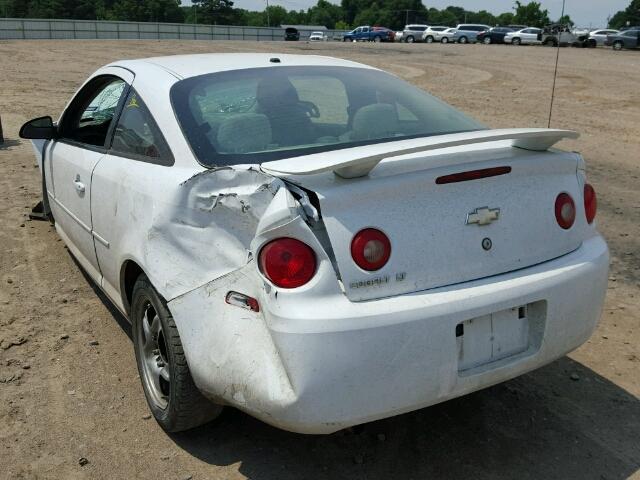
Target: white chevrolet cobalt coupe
[{"x": 315, "y": 241}]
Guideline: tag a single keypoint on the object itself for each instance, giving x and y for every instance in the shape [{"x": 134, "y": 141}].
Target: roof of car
[{"x": 185, "y": 66}]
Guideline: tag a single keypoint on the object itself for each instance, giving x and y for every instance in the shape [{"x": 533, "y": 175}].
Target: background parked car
[
  {"x": 317, "y": 37},
  {"x": 558, "y": 34},
  {"x": 369, "y": 34},
  {"x": 625, "y": 39},
  {"x": 527, "y": 36},
  {"x": 291, "y": 34},
  {"x": 495, "y": 35},
  {"x": 600, "y": 36},
  {"x": 390, "y": 34},
  {"x": 434, "y": 34},
  {"x": 467, "y": 32},
  {"x": 413, "y": 33}
]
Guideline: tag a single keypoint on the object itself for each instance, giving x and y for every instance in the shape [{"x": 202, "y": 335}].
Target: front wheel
[
  {"x": 410, "y": 39},
  {"x": 172, "y": 396},
  {"x": 377, "y": 39},
  {"x": 444, "y": 40},
  {"x": 429, "y": 39},
  {"x": 517, "y": 41},
  {"x": 487, "y": 40},
  {"x": 617, "y": 45},
  {"x": 463, "y": 40}
]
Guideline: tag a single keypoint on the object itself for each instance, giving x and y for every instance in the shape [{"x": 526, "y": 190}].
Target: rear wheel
[
  {"x": 444, "y": 40},
  {"x": 516, "y": 41},
  {"x": 410, "y": 39},
  {"x": 429, "y": 39},
  {"x": 377, "y": 39},
  {"x": 487, "y": 40},
  {"x": 463, "y": 40},
  {"x": 172, "y": 396},
  {"x": 618, "y": 45}
]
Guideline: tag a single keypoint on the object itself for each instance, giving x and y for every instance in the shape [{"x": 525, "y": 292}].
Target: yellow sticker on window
[{"x": 133, "y": 102}]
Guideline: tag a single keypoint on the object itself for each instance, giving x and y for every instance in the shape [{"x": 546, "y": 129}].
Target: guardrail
[{"x": 41, "y": 29}]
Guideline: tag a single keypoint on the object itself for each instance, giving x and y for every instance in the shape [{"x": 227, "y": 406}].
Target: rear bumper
[{"x": 325, "y": 366}]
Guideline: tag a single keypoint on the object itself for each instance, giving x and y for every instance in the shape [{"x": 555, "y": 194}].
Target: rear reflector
[
  {"x": 473, "y": 175},
  {"x": 565, "y": 210},
  {"x": 243, "y": 301},
  {"x": 370, "y": 249},
  {"x": 590, "y": 203}
]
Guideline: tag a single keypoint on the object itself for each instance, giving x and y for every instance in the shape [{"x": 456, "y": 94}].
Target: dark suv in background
[{"x": 495, "y": 35}]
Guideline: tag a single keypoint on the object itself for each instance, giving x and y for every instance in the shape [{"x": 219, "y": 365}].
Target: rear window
[{"x": 263, "y": 114}]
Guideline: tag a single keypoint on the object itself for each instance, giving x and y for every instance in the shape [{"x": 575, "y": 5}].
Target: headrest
[
  {"x": 378, "y": 120},
  {"x": 243, "y": 133}
]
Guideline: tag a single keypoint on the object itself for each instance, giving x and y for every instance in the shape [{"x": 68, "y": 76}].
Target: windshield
[{"x": 262, "y": 114}]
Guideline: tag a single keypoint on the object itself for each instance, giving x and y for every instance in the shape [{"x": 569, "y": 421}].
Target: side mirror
[{"x": 41, "y": 128}]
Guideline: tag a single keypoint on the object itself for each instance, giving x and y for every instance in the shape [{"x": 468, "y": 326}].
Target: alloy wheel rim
[{"x": 154, "y": 359}]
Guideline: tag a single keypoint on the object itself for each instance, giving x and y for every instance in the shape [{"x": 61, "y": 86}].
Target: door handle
[{"x": 78, "y": 184}]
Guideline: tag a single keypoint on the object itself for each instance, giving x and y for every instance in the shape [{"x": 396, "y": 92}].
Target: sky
[{"x": 584, "y": 13}]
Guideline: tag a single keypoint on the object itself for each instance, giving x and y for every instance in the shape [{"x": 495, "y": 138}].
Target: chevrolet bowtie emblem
[{"x": 483, "y": 216}]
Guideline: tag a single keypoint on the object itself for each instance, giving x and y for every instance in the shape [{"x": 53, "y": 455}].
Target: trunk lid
[{"x": 432, "y": 242}]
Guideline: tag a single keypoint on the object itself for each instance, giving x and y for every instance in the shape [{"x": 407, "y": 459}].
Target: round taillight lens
[
  {"x": 590, "y": 203},
  {"x": 370, "y": 249},
  {"x": 287, "y": 262},
  {"x": 565, "y": 210}
]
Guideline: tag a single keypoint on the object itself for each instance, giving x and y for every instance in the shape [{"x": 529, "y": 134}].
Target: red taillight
[
  {"x": 590, "y": 203},
  {"x": 370, "y": 249},
  {"x": 565, "y": 210},
  {"x": 287, "y": 262}
]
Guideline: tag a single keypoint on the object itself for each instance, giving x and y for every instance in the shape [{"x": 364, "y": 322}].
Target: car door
[
  {"x": 80, "y": 146},
  {"x": 126, "y": 189}
]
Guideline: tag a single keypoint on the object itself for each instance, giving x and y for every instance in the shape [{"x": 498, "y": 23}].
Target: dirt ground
[{"x": 64, "y": 397}]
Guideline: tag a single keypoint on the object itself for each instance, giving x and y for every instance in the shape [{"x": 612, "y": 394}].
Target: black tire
[
  {"x": 377, "y": 39},
  {"x": 409, "y": 39},
  {"x": 617, "y": 45},
  {"x": 486, "y": 40},
  {"x": 429, "y": 39},
  {"x": 463, "y": 40},
  {"x": 185, "y": 406},
  {"x": 444, "y": 40},
  {"x": 516, "y": 41}
]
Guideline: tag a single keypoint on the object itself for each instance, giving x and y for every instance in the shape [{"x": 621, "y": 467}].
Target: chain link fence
[{"x": 36, "y": 29}]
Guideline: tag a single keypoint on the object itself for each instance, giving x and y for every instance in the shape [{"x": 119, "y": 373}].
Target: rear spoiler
[{"x": 359, "y": 161}]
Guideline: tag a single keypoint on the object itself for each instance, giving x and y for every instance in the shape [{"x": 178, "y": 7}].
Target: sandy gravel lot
[{"x": 62, "y": 399}]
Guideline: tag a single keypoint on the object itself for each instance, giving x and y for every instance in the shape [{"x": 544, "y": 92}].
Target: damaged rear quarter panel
[{"x": 184, "y": 227}]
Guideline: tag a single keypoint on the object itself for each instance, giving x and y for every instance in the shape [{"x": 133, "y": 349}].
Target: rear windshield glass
[{"x": 262, "y": 114}]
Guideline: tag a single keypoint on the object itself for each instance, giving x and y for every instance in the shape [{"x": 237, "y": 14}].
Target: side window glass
[
  {"x": 137, "y": 134},
  {"x": 89, "y": 117}
]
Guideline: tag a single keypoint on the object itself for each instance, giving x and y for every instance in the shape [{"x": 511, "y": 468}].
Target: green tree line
[{"x": 349, "y": 13}]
